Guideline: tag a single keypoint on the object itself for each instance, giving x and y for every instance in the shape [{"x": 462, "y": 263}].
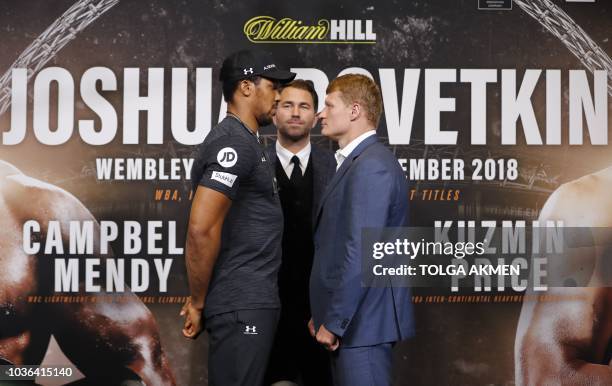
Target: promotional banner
[{"x": 496, "y": 111}]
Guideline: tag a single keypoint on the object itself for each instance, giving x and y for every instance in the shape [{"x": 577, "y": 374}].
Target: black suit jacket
[{"x": 323, "y": 169}]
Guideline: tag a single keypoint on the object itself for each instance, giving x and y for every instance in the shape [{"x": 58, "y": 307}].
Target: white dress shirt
[
  {"x": 284, "y": 157},
  {"x": 342, "y": 154}
]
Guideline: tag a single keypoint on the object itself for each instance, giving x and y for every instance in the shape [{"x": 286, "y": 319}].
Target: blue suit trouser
[{"x": 363, "y": 366}]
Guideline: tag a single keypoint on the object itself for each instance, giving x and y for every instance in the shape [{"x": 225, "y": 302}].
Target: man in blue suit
[{"x": 359, "y": 324}]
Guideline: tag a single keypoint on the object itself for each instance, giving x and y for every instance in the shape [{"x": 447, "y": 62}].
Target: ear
[
  {"x": 245, "y": 87},
  {"x": 355, "y": 111}
]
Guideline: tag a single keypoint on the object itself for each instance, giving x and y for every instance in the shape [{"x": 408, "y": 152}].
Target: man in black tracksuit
[{"x": 235, "y": 226}]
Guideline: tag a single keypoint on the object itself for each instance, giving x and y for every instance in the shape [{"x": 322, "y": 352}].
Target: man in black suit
[{"x": 302, "y": 171}]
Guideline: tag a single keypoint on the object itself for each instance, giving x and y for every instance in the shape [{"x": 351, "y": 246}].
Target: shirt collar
[
  {"x": 284, "y": 155},
  {"x": 348, "y": 149}
]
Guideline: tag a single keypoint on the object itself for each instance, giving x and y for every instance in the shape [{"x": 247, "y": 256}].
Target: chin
[
  {"x": 264, "y": 120},
  {"x": 298, "y": 132},
  {"x": 296, "y": 138}
]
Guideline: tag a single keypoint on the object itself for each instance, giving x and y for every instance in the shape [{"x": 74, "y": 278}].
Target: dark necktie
[{"x": 296, "y": 174}]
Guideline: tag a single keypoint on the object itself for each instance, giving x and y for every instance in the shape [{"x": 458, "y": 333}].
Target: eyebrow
[{"x": 294, "y": 102}]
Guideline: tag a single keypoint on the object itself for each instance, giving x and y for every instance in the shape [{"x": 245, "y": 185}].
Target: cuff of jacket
[{"x": 337, "y": 326}]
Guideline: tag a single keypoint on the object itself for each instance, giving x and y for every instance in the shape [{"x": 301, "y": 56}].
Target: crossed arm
[
  {"x": 565, "y": 342},
  {"x": 106, "y": 341}
]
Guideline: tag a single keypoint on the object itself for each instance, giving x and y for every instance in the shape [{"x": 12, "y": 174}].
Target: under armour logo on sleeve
[{"x": 248, "y": 71}]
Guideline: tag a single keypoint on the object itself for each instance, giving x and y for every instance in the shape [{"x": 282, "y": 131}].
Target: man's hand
[
  {"x": 193, "y": 319},
  {"x": 311, "y": 327},
  {"x": 327, "y": 339}
]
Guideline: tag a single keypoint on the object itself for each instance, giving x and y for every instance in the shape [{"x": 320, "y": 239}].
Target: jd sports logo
[
  {"x": 250, "y": 330},
  {"x": 227, "y": 157}
]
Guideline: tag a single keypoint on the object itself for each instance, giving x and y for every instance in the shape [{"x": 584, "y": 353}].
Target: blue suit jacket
[{"x": 369, "y": 190}]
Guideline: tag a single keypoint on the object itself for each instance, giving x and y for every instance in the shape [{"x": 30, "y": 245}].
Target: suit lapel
[
  {"x": 319, "y": 175},
  {"x": 342, "y": 171}
]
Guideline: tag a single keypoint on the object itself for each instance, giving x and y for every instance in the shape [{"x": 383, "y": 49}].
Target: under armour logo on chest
[{"x": 248, "y": 71}]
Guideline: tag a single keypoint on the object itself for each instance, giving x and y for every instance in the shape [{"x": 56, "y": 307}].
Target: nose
[{"x": 295, "y": 112}]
